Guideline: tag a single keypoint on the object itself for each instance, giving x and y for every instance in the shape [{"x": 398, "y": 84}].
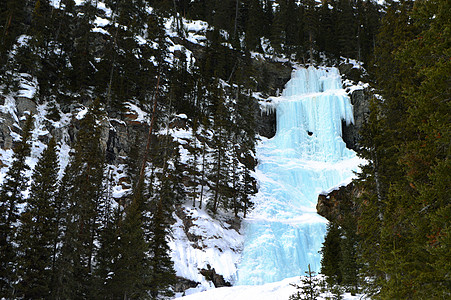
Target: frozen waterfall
[{"x": 283, "y": 233}]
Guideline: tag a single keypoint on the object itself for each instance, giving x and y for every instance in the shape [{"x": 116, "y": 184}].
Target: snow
[
  {"x": 63, "y": 158},
  {"x": 106, "y": 10},
  {"x": 117, "y": 175},
  {"x": 280, "y": 290},
  {"x": 135, "y": 110},
  {"x": 101, "y": 22},
  {"x": 195, "y": 30},
  {"x": 9, "y": 107},
  {"x": 218, "y": 246},
  {"x": 28, "y": 86},
  {"x": 55, "y": 3},
  {"x": 82, "y": 113},
  {"x": 100, "y": 30}
]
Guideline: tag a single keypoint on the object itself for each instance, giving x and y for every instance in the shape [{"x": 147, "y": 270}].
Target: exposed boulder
[
  {"x": 210, "y": 275},
  {"x": 339, "y": 203}
]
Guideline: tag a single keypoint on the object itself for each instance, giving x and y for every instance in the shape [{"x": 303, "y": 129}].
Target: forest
[{"x": 64, "y": 236}]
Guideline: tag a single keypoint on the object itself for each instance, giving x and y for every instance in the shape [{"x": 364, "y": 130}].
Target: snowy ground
[{"x": 280, "y": 290}]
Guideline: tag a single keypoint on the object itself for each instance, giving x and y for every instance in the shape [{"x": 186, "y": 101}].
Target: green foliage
[
  {"x": 309, "y": 290},
  {"x": 162, "y": 278},
  {"x": 10, "y": 198},
  {"x": 82, "y": 191},
  {"x": 39, "y": 231},
  {"x": 331, "y": 254},
  {"x": 402, "y": 226}
]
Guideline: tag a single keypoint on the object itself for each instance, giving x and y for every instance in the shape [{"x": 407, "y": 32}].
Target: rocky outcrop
[
  {"x": 182, "y": 284},
  {"x": 339, "y": 203},
  {"x": 271, "y": 78},
  {"x": 360, "y": 100},
  {"x": 211, "y": 275},
  {"x": 266, "y": 123}
]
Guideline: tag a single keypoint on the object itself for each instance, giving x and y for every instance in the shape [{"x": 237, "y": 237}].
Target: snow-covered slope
[
  {"x": 202, "y": 242},
  {"x": 280, "y": 290}
]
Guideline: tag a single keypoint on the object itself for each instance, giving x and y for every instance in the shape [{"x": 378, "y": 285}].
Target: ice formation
[{"x": 283, "y": 233}]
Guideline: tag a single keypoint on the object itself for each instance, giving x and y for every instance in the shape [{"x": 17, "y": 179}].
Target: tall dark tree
[
  {"x": 82, "y": 189},
  {"x": 39, "y": 229},
  {"x": 331, "y": 254},
  {"x": 162, "y": 274},
  {"x": 11, "y": 198},
  {"x": 346, "y": 28},
  {"x": 130, "y": 278}
]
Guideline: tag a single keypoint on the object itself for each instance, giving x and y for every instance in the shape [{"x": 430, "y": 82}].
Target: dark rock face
[
  {"x": 271, "y": 78},
  {"x": 360, "y": 99},
  {"x": 210, "y": 274},
  {"x": 351, "y": 72},
  {"x": 182, "y": 284},
  {"x": 339, "y": 203},
  {"x": 266, "y": 123}
]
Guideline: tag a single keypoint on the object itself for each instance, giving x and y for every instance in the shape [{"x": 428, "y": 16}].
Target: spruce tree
[
  {"x": 82, "y": 191},
  {"x": 331, "y": 254},
  {"x": 11, "y": 198},
  {"x": 219, "y": 171},
  {"x": 309, "y": 288},
  {"x": 162, "y": 278},
  {"x": 132, "y": 270},
  {"x": 39, "y": 229}
]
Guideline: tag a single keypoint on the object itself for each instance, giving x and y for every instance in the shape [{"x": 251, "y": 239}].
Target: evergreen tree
[
  {"x": 254, "y": 25},
  {"x": 309, "y": 287},
  {"x": 108, "y": 255},
  {"x": 331, "y": 254},
  {"x": 408, "y": 155},
  {"x": 12, "y": 25},
  {"x": 39, "y": 229},
  {"x": 346, "y": 29},
  {"x": 11, "y": 198},
  {"x": 132, "y": 270},
  {"x": 162, "y": 278},
  {"x": 82, "y": 190},
  {"x": 219, "y": 171},
  {"x": 311, "y": 27},
  {"x": 348, "y": 264}
]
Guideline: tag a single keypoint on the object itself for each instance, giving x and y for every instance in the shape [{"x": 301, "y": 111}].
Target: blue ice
[{"x": 283, "y": 233}]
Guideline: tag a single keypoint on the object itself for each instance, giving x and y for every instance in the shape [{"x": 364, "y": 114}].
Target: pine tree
[
  {"x": 132, "y": 271},
  {"x": 39, "y": 229},
  {"x": 82, "y": 191},
  {"x": 331, "y": 254},
  {"x": 108, "y": 255},
  {"x": 311, "y": 28},
  {"x": 348, "y": 265},
  {"x": 417, "y": 198},
  {"x": 162, "y": 278},
  {"x": 309, "y": 287},
  {"x": 254, "y": 25},
  {"x": 11, "y": 198},
  {"x": 219, "y": 172},
  {"x": 12, "y": 24},
  {"x": 346, "y": 29}
]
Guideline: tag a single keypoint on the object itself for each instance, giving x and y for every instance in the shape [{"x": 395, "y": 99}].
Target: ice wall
[{"x": 283, "y": 233}]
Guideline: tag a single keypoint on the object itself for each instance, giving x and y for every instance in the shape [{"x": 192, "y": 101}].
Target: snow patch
[{"x": 215, "y": 245}]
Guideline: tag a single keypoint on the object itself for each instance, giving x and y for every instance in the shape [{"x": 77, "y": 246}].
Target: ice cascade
[{"x": 283, "y": 233}]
